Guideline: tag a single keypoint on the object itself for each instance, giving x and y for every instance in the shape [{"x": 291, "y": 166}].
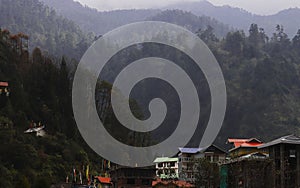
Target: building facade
[
  {"x": 126, "y": 177},
  {"x": 252, "y": 172},
  {"x": 166, "y": 168},
  {"x": 285, "y": 154},
  {"x": 187, "y": 158}
]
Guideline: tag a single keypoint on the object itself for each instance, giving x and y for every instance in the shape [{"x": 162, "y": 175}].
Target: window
[
  {"x": 216, "y": 158},
  {"x": 160, "y": 165},
  {"x": 292, "y": 153},
  {"x": 208, "y": 158},
  {"x": 172, "y": 164},
  {"x": 172, "y": 171},
  {"x": 159, "y": 172}
]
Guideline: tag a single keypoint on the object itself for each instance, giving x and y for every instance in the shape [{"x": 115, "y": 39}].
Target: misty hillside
[
  {"x": 262, "y": 76},
  {"x": 47, "y": 30},
  {"x": 241, "y": 19},
  {"x": 191, "y": 22},
  {"x": 288, "y": 18},
  {"x": 235, "y": 17},
  {"x": 99, "y": 22}
]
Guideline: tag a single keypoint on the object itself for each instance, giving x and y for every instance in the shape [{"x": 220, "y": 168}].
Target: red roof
[
  {"x": 252, "y": 142},
  {"x": 178, "y": 183},
  {"x": 4, "y": 84},
  {"x": 104, "y": 180}
]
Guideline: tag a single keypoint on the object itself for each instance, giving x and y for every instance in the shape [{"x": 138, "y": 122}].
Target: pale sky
[{"x": 263, "y": 7}]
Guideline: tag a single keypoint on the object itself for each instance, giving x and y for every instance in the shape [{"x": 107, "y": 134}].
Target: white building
[{"x": 166, "y": 168}]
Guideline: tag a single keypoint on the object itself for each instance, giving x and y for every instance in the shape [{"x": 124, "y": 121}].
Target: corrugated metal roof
[
  {"x": 199, "y": 150},
  {"x": 245, "y": 145},
  {"x": 104, "y": 180},
  {"x": 165, "y": 159},
  {"x": 232, "y": 140},
  {"x": 4, "y": 84},
  {"x": 190, "y": 150},
  {"x": 289, "y": 139},
  {"x": 250, "y": 142}
]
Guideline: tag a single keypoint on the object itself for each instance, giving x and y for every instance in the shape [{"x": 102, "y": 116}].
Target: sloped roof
[
  {"x": 104, "y": 180},
  {"x": 289, "y": 139},
  {"x": 165, "y": 159},
  {"x": 213, "y": 147},
  {"x": 199, "y": 150},
  {"x": 3, "y": 84},
  {"x": 233, "y": 140},
  {"x": 250, "y": 142},
  {"x": 246, "y": 145},
  {"x": 190, "y": 150}
]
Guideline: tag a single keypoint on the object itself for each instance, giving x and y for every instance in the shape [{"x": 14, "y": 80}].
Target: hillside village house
[
  {"x": 126, "y": 177},
  {"x": 188, "y": 156},
  {"x": 243, "y": 147},
  {"x": 103, "y": 182},
  {"x": 285, "y": 154},
  {"x": 280, "y": 168},
  {"x": 251, "y": 170},
  {"x": 166, "y": 168}
]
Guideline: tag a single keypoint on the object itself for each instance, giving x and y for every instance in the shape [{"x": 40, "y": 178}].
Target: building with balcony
[
  {"x": 166, "y": 168},
  {"x": 187, "y": 158}
]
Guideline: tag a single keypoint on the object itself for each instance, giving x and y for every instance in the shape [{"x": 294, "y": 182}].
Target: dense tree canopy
[
  {"x": 262, "y": 76},
  {"x": 46, "y": 29},
  {"x": 40, "y": 91}
]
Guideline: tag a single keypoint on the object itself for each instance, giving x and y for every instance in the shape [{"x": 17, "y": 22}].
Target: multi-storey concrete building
[
  {"x": 166, "y": 168},
  {"x": 188, "y": 156}
]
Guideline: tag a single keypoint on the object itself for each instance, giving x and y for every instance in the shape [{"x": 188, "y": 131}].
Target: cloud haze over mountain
[
  {"x": 129, "y": 4},
  {"x": 255, "y": 6}
]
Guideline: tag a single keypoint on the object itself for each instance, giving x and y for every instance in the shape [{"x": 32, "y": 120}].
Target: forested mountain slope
[
  {"x": 39, "y": 93},
  {"x": 99, "y": 22},
  {"x": 47, "y": 30},
  {"x": 241, "y": 19}
]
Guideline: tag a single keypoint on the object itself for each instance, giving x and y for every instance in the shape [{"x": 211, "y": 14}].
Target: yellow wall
[{"x": 244, "y": 151}]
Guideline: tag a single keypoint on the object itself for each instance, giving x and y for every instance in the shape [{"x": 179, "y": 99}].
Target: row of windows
[
  {"x": 185, "y": 159},
  {"x": 166, "y": 171},
  {"x": 170, "y": 164},
  {"x": 214, "y": 158}
]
